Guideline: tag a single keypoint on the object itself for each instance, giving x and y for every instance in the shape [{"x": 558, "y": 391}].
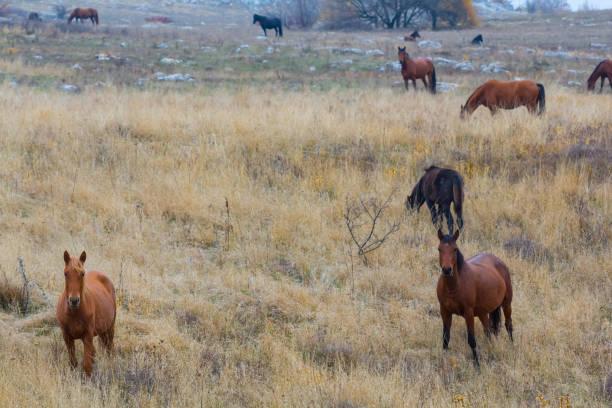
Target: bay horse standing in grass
[
  {"x": 417, "y": 68},
  {"x": 85, "y": 309},
  {"x": 268, "y": 23},
  {"x": 84, "y": 14},
  {"x": 497, "y": 95},
  {"x": 603, "y": 70},
  {"x": 479, "y": 286},
  {"x": 439, "y": 187}
]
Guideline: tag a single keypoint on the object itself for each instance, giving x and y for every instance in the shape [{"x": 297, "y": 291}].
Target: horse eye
[{"x": 82, "y": 274}]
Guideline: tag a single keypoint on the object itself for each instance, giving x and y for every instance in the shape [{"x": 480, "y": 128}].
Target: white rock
[
  {"x": 374, "y": 52},
  {"x": 167, "y": 60},
  {"x": 70, "y": 88},
  {"x": 123, "y": 44},
  {"x": 352, "y": 51},
  {"x": 559, "y": 54},
  {"x": 598, "y": 45},
  {"x": 444, "y": 61},
  {"x": 464, "y": 66},
  {"x": 77, "y": 67},
  {"x": 429, "y": 44},
  {"x": 445, "y": 86},
  {"x": 494, "y": 67},
  {"x": 312, "y": 69}
]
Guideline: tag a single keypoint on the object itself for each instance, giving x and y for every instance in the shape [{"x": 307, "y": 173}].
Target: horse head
[
  {"x": 402, "y": 54},
  {"x": 74, "y": 273},
  {"x": 415, "y": 34},
  {"x": 462, "y": 114},
  {"x": 449, "y": 252}
]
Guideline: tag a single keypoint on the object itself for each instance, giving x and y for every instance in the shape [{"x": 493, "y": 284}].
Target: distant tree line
[{"x": 342, "y": 14}]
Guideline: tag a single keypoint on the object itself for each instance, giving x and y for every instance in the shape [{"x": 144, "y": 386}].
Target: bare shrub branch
[{"x": 363, "y": 218}]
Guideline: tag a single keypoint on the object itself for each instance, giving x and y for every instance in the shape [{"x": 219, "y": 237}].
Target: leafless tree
[{"x": 363, "y": 219}]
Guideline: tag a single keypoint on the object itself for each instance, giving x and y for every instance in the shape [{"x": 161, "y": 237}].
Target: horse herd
[
  {"x": 494, "y": 94},
  {"x": 476, "y": 287}
]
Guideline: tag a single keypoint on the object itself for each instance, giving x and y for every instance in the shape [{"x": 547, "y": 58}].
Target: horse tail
[
  {"x": 495, "y": 319},
  {"x": 541, "y": 99},
  {"x": 433, "y": 80}
]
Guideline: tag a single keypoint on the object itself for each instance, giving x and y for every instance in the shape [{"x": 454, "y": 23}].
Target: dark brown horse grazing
[
  {"x": 478, "y": 286},
  {"x": 441, "y": 187},
  {"x": 415, "y": 69},
  {"x": 603, "y": 70},
  {"x": 85, "y": 309},
  {"x": 506, "y": 95},
  {"x": 84, "y": 14},
  {"x": 412, "y": 37}
]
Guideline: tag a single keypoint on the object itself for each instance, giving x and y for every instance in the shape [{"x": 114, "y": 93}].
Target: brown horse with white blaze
[
  {"x": 603, "y": 70},
  {"x": 84, "y": 14},
  {"x": 476, "y": 287},
  {"x": 417, "y": 68},
  {"x": 85, "y": 309},
  {"x": 497, "y": 95}
]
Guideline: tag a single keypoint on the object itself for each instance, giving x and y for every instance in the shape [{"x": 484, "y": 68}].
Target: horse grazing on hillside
[
  {"x": 603, "y": 70},
  {"x": 478, "y": 286},
  {"x": 84, "y": 14},
  {"x": 415, "y": 69},
  {"x": 33, "y": 16},
  {"x": 497, "y": 95},
  {"x": 85, "y": 309},
  {"x": 412, "y": 37},
  {"x": 477, "y": 40},
  {"x": 439, "y": 187},
  {"x": 268, "y": 23}
]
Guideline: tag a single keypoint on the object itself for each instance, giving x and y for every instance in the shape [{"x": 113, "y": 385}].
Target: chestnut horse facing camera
[
  {"x": 415, "y": 69},
  {"x": 476, "y": 287},
  {"x": 84, "y": 14},
  {"x": 506, "y": 95},
  {"x": 85, "y": 309},
  {"x": 603, "y": 70}
]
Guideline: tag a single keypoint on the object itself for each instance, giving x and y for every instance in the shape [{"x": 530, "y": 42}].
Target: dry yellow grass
[{"x": 138, "y": 179}]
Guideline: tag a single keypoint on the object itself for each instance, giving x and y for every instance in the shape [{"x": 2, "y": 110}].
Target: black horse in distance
[{"x": 268, "y": 23}]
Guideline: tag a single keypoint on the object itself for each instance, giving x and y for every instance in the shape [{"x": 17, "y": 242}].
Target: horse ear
[
  {"x": 440, "y": 235},
  {"x": 456, "y": 235},
  {"x": 66, "y": 257},
  {"x": 84, "y": 255}
]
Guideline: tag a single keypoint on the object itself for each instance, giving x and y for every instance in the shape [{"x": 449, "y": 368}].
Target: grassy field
[{"x": 269, "y": 305}]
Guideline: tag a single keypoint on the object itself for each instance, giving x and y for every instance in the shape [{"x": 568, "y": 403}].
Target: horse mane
[
  {"x": 473, "y": 93},
  {"x": 592, "y": 77},
  {"x": 460, "y": 260}
]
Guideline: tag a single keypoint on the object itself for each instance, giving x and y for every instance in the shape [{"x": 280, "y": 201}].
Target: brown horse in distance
[
  {"x": 603, "y": 70},
  {"x": 415, "y": 69},
  {"x": 439, "y": 187},
  {"x": 506, "y": 95},
  {"x": 85, "y": 309},
  {"x": 84, "y": 14},
  {"x": 478, "y": 286}
]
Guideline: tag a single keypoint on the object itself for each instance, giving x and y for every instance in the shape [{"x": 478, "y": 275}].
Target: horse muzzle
[
  {"x": 74, "y": 303},
  {"x": 447, "y": 271}
]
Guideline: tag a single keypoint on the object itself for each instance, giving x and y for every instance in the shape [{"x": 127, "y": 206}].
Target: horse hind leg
[
  {"x": 508, "y": 318},
  {"x": 449, "y": 218},
  {"x": 487, "y": 324},
  {"x": 425, "y": 83},
  {"x": 495, "y": 320},
  {"x": 107, "y": 339}
]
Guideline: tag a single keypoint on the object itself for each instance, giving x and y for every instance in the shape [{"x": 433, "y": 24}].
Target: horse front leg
[
  {"x": 469, "y": 321},
  {"x": 413, "y": 83},
  {"x": 89, "y": 353},
  {"x": 425, "y": 83},
  {"x": 71, "y": 353},
  {"x": 434, "y": 213},
  {"x": 265, "y": 34},
  {"x": 447, "y": 321}
]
